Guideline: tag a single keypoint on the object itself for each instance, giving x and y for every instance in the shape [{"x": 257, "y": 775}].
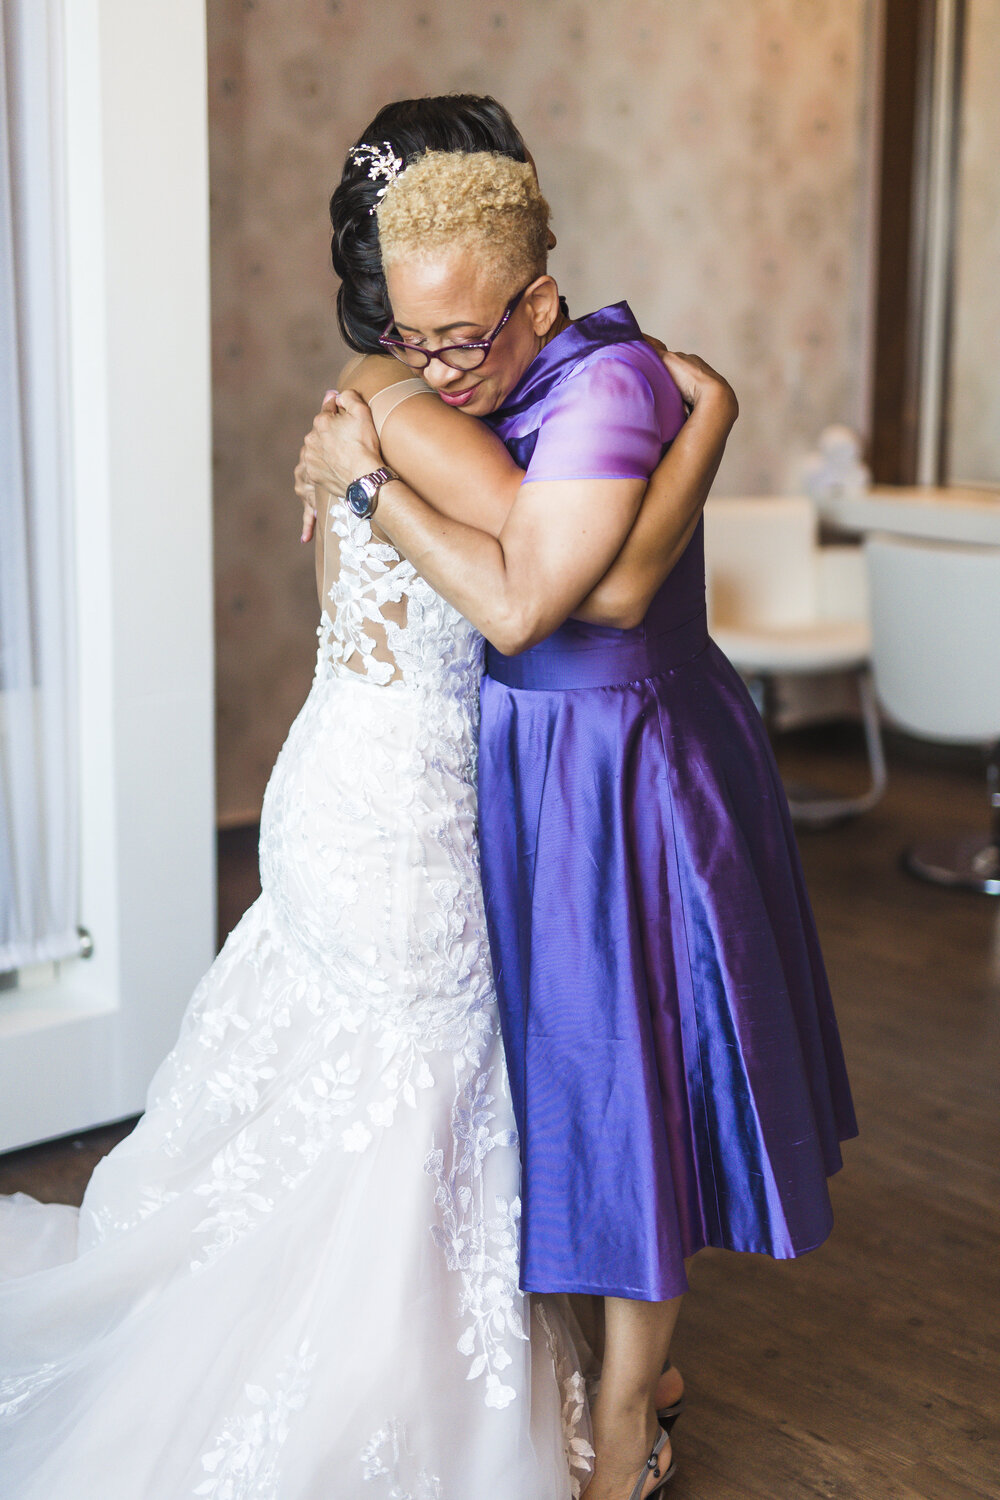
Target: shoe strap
[{"x": 650, "y": 1464}]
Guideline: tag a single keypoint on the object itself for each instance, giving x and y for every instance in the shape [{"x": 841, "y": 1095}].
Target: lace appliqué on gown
[
  {"x": 384, "y": 622},
  {"x": 580, "y": 1454},
  {"x": 383, "y": 1458},
  {"x": 245, "y": 1461},
  {"x": 480, "y": 1244}
]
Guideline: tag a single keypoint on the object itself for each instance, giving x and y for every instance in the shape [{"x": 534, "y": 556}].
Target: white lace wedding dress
[{"x": 297, "y": 1278}]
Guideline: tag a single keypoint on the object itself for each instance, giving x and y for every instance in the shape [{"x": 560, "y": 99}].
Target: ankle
[
  {"x": 629, "y": 1418},
  {"x": 623, "y": 1456}
]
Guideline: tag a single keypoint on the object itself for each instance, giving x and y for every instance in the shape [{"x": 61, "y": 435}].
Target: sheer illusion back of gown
[
  {"x": 370, "y": 595},
  {"x": 297, "y": 1278}
]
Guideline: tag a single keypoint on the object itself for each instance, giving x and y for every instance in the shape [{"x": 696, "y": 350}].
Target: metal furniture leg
[
  {"x": 970, "y": 861},
  {"x": 813, "y": 808}
]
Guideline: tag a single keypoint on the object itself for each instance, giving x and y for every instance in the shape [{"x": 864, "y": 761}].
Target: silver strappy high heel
[{"x": 652, "y": 1465}]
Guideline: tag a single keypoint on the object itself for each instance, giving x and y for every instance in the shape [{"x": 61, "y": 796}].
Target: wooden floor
[{"x": 869, "y": 1370}]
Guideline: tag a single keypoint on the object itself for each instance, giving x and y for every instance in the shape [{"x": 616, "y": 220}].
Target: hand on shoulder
[
  {"x": 365, "y": 374},
  {"x": 699, "y": 384}
]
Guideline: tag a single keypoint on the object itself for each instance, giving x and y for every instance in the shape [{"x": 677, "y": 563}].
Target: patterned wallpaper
[
  {"x": 705, "y": 159},
  {"x": 975, "y": 388}
]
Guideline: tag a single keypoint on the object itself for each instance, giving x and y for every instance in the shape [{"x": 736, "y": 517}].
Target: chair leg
[
  {"x": 814, "y": 809},
  {"x": 972, "y": 861},
  {"x": 873, "y": 736}
]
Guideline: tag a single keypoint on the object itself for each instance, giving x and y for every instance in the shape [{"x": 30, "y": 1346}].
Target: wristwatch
[{"x": 362, "y": 494}]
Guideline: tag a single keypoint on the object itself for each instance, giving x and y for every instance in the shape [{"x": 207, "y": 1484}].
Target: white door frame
[{"x": 80, "y": 1049}]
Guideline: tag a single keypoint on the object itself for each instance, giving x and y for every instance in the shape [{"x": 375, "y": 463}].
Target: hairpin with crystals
[{"x": 382, "y": 162}]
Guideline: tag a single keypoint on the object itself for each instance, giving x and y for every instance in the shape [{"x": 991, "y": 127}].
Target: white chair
[
  {"x": 779, "y": 604},
  {"x": 936, "y": 651}
]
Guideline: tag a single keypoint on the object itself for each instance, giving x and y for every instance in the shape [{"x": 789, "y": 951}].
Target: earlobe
[{"x": 544, "y": 303}]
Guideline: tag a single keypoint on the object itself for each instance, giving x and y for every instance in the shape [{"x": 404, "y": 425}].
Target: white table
[{"x": 941, "y": 514}]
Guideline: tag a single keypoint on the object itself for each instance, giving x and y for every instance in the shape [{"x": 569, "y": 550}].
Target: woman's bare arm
[
  {"x": 454, "y": 461},
  {"x": 557, "y": 542}
]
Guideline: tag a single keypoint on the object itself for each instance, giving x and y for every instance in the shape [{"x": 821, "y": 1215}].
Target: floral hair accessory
[{"x": 382, "y": 162}]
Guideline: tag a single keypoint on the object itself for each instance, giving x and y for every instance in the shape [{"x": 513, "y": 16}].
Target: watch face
[{"x": 358, "y": 497}]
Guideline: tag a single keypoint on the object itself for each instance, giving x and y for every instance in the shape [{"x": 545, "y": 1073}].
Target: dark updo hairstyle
[{"x": 449, "y": 122}]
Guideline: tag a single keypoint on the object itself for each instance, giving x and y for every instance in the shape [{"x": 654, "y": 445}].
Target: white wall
[{"x": 81, "y": 1050}]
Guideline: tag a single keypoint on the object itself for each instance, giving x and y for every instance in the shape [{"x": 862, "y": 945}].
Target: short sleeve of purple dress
[{"x": 676, "y": 1070}]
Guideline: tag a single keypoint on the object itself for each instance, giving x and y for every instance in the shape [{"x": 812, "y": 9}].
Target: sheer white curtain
[{"x": 39, "y": 811}]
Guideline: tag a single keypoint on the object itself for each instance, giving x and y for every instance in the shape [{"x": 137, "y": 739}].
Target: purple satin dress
[{"x": 675, "y": 1066}]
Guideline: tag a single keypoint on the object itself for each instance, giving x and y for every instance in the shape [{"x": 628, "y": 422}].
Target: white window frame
[{"x": 80, "y": 1049}]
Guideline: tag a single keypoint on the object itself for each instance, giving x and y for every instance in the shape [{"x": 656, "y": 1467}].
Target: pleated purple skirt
[{"x": 676, "y": 1069}]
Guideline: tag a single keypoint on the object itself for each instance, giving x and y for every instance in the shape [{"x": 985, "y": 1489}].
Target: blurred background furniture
[
  {"x": 949, "y": 513},
  {"x": 936, "y": 651},
  {"x": 779, "y": 604}
]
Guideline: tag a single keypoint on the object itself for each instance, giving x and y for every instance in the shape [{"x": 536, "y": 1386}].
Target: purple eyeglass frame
[{"x": 485, "y": 344}]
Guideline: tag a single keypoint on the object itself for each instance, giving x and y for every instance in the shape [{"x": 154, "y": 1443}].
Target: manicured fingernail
[
  {"x": 304, "y": 537},
  {"x": 327, "y": 396}
]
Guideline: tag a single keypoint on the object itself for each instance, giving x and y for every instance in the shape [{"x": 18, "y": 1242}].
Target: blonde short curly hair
[{"x": 477, "y": 199}]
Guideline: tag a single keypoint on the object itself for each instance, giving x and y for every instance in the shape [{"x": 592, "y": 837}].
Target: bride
[{"x": 297, "y": 1278}]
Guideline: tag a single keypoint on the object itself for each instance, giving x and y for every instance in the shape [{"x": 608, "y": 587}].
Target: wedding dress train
[{"x": 297, "y": 1278}]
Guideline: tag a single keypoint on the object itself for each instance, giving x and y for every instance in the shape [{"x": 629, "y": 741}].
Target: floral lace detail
[
  {"x": 385, "y": 623},
  {"x": 481, "y": 1247},
  {"x": 371, "y": 575},
  {"x": 338, "y": 1102},
  {"x": 579, "y": 1453},
  {"x": 383, "y": 1457},
  {"x": 244, "y": 1461},
  {"x": 99, "y": 1222},
  {"x": 234, "y": 1197}
]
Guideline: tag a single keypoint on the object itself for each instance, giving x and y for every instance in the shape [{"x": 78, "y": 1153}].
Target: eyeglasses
[{"x": 458, "y": 356}]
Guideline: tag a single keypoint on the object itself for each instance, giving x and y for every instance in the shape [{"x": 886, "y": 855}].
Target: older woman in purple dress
[{"x": 676, "y": 1072}]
